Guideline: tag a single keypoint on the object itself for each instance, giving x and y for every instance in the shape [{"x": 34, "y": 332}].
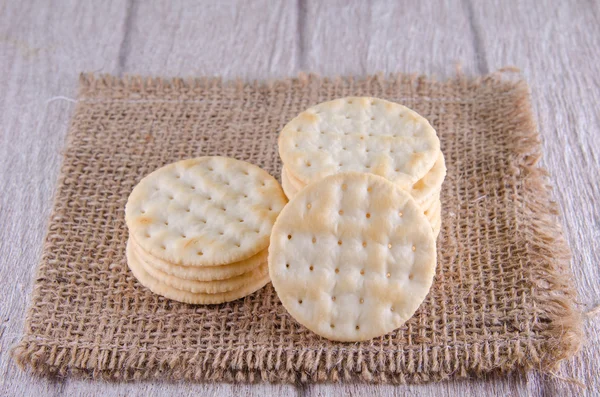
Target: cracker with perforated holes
[
  {"x": 201, "y": 273},
  {"x": 205, "y": 287},
  {"x": 352, "y": 256},
  {"x": 360, "y": 134},
  {"x": 159, "y": 287},
  {"x": 205, "y": 211}
]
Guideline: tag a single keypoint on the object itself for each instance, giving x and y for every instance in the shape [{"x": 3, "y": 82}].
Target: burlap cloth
[{"x": 501, "y": 299}]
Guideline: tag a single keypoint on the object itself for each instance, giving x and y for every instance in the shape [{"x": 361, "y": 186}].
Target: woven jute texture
[{"x": 501, "y": 299}]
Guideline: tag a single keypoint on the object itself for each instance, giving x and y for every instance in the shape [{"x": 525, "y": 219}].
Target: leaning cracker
[
  {"x": 359, "y": 134},
  {"x": 201, "y": 273},
  {"x": 352, "y": 256},
  {"x": 205, "y": 287},
  {"x": 169, "y": 292},
  {"x": 205, "y": 211}
]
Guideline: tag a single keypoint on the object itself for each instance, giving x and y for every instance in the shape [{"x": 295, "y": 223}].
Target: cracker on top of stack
[{"x": 199, "y": 229}]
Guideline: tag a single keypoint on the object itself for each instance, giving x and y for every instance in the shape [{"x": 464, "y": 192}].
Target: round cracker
[
  {"x": 433, "y": 212},
  {"x": 437, "y": 223},
  {"x": 359, "y": 134},
  {"x": 430, "y": 202},
  {"x": 295, "y": 182},
  {"x": 201, "y": 273},
  {"x": 289, "y": 189},
  {"x": 352, "y": 256},
  {"x": 205, "y": 287},
  {"x": 160, "y": 288},
  {"x": 205, "y": 211},
  {"x": 431, "y": 183}
]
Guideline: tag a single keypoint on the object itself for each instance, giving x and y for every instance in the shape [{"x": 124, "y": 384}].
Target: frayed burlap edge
[{"x": 538, "y": 218}]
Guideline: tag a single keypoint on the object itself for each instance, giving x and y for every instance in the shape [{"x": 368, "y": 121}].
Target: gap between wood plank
[
  {"x": 125, "y": 45},
  {"x": 480, "y": 54},
  {"x": 301, "y": 28}
]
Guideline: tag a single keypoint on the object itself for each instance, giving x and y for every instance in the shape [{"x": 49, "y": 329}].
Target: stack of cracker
[
  {"x": 199, "y": 229},
  {"x": 368, "y": 135},
  {"x": 363, "y": 176}
]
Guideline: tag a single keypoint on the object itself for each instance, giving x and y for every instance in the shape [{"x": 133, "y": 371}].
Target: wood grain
[
  {"x": 555, "y": 59},
  {"x": 43, "y": 49},
  {"x": 45, "y": 46},
  {"x": 358, "y": 38},
  {"x": 232, "y": 39}
]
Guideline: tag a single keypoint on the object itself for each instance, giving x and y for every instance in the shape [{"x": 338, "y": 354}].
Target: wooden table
[{"x": 44, "y": 46}]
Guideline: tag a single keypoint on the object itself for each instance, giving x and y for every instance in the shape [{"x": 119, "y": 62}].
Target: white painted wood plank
[
  {"x": 250, "y": 40},
  {"x": 42, "y": 50},
  {"x": 555, "y": 44},
  {"x": 39, "y": 66},
  {"x": 359, "y": 37}
]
